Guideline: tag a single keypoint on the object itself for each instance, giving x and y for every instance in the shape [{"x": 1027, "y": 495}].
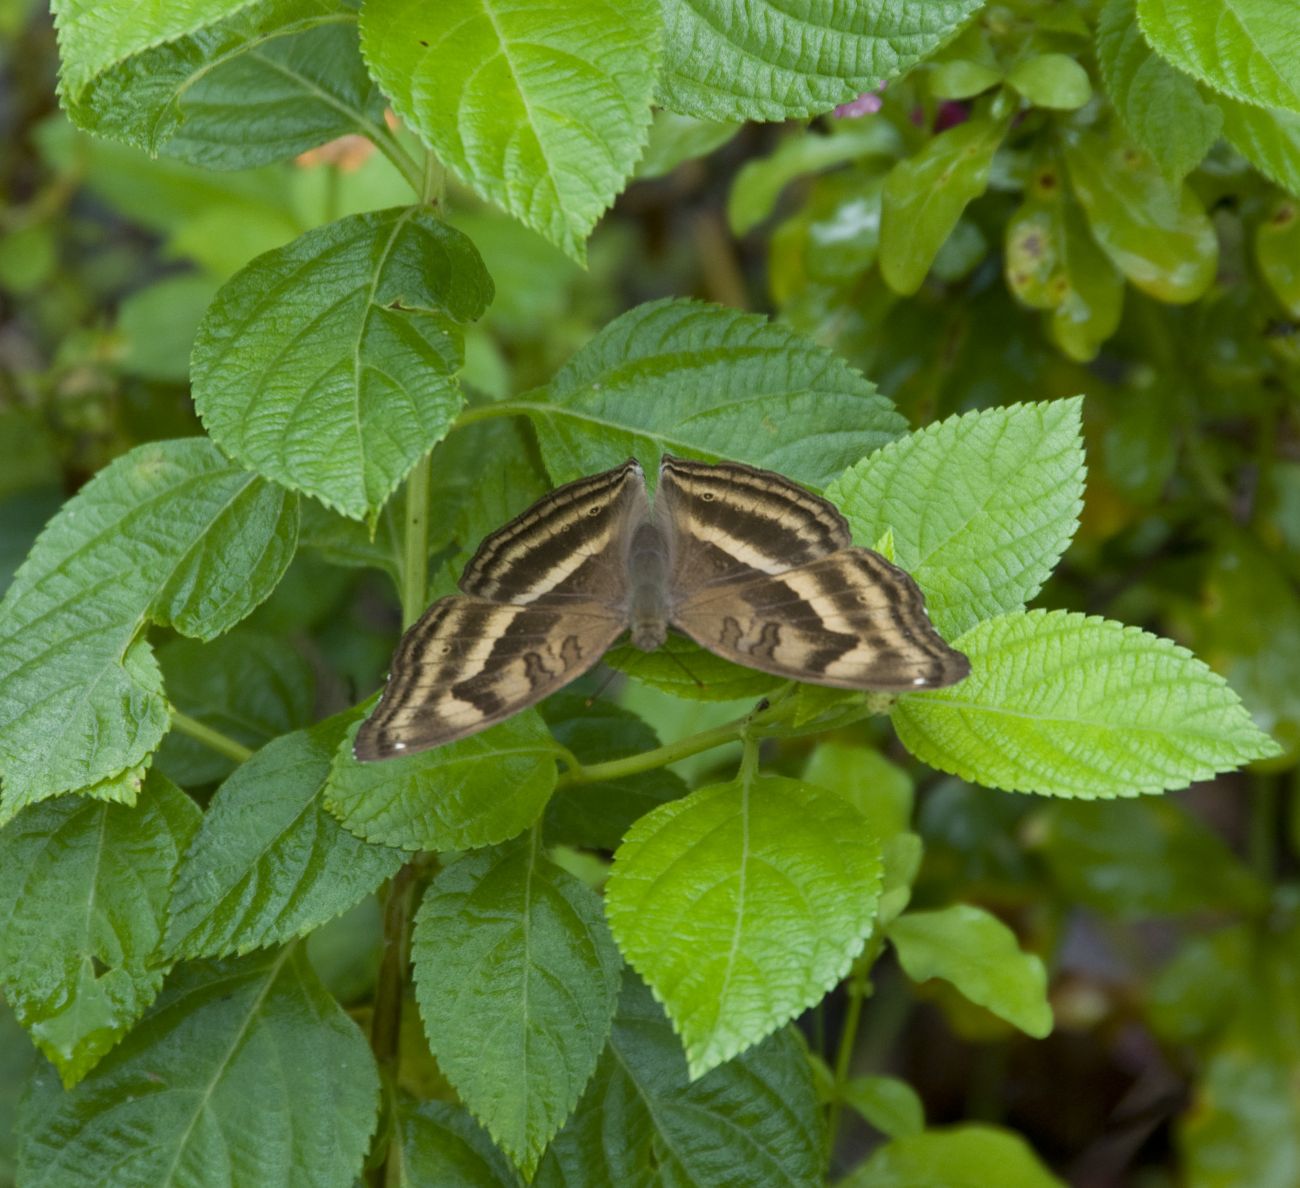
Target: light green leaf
[
  {"x": 517, "y": 980},
  {"x": 268, "y": 82},
  {"x": 1053, "y": 81},
  {"x": 171, "y": 533},
  {"x": 759, "y": 182},
  {"x": 1074, "y": 705},
  {"x": 187, "y": 1097},
  {"x": 890, "y": 1105},
  {"x": 1249, "y": 49},
  {"x": 157, "y": 325},
  {"x": 248, "y": 685},
  {"x": 476, "y": 792},
  {"x": 442, "y": 1144},
  {"x": 1157, "y": 234},
  {"x": 881, "y": 791},
  {"x": 269, "y": 863},
  {"x": 540, "y": 108},
  {"x": 84, "y": 886},
  {"x": 328, "y": 365},
  {"x": 1269, "y": 140},
  {"x": 981, "y": 506},
  {"x": 705, "y": 381},
  {"x": 1160, "y": 106},
  {"x": 961, "y": 78},
  {"x": 925, "y": 195},
  {"x": 742, "y": 905},
  {"x": 644, "y": 1121},
  {"x": 675, "y": 139},
  {"x": 727, "y": 59},
  {"x": 979, "y": 955},
  {"x": 957, "y": 1157}
]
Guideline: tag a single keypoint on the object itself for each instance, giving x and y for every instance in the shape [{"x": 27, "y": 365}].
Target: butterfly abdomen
[{"x": 647, "y": 571}]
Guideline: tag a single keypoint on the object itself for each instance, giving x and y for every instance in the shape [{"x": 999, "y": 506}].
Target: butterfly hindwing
[
  {"x": 469, "y": 663},
  {"x": 850, "y": 620}
]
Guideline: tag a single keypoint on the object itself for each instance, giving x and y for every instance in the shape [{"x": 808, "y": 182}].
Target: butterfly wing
[
  {"x": 850, "y": 620},
  {"x": 468, "y": 663}
]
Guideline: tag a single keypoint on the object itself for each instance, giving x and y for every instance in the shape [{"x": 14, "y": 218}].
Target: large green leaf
[
  {"x": 442, "y": 1144},
  {"x": 269, "y": 863},
  {"x": 1269, "y": 140},
  {"x": 171, "y": 533},
  {"x": 644, "y": 1121},
  {"x": 329, "y": 364},
  {"x": 517, "y": 980},
  {"x": 244, "y": 1072},
  {"x": 704, "y": 381},
  {"x": 84, "y": 887},
  {"x": 978, "y": 954},
  {"x": 960, "y": 1157},
  {"x": 742, "y": 905},
  {"x": 476, "y": 792},
  {"x": 1249, "y": 49},
  {"x": 268, "y": 82},
  {"x": 541, "y": 108},
  {"x": 980, "y": 507},
  {"x": 1074, "y": 705},
  {"x": 1160, "y": 106},
  {"x": 764, "y": 60}
]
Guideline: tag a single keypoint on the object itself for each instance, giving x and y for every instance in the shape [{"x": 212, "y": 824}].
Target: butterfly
[{"x": 743, "y": 561}]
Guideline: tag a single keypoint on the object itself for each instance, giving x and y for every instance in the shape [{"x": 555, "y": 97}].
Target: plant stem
[
  {"x": 406, "y": 165},
  {"x": 415, "y": 546},
  {"x": 857, "y": 988},
  {"x": 223, "y": 744}
]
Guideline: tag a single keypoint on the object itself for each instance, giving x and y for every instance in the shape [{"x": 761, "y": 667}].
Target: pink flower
[{"x": 867, "y": 103}]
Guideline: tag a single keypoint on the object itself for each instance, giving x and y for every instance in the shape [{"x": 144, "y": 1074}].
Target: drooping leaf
[
  {"x": 269, "y": 862},
  {"x": 328, "y": 365},
  {"x": 84, "y": 886},
  {"x": 479, "y": 791},
  {"x": 644, "y": 1120},
  {"x": 741, "y": 905},
  {"x": 925, "y": 195},
  {"x": 968, "y": 1156},
  {"x": 1249, "y": 49},
  {"x": 1269, "y": 140},
  {"x": 543, "y": 109},
  {"x": 724, "y": 59},
  {"x": 442, "y": 1144},
  {"x": 1074, "y": 705},
  {"x": 517, "y": 979},
  {"x": 1160, "y": 106},
  {"x": 980, "y": 506},
  {"x": 890, "y": 1105},
  {"x": 171, "y": 533},
  {"x": 704, "y": 381},
  {"x": 978, "y": 954},
  {"x": 187, "y": 1096},
  {"x": 1054, "y": 81}
]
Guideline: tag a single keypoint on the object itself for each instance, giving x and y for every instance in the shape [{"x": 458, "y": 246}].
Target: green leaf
[
  {"x": 1160, "y": 106},
  {"x": 1075, "y": 705},
  {"x": 956, "y": 1157},
  {"x": 597, "y": 815},
  {"x": 158, "y": 323},
  {"x": 890, "y": 1105},
  {"x": 643, "y": 1120},
  {"x": 1053, "y": 81},
  {"x": 881, "y": 791},
  {"x": 269, "y": 863},
  {"x": 742, "y": 905},
  {"x": 542, "y": 109},
  {"x": 517, "y": 980},
  {"x": 925, "y": 195},
  {"x": 476, "y": 792},
  {"x": 705, "y": 381},
  {"x": 726, "y": 59},
  {"x": 979, "y": 955},
  {"x": 1269, "y": 140},
  {"x": 961, "y": 78},
  {"x": 328, "y": 365},
  {"x": 759, "y": 182},
  {"x": 1249, "y": 49},
  {"x": 188, "y": 1096},
  {"x": 248, "y": 685},
  {"x": 675, "y": 139},
  {"x": 171, "y": 533},
  {"x": 273, "y": 79},
  {"x": 981, "y": 506},
  {"x": 684, "y": 669},
  {"x": 84, "y": 887},
  {"x": 1157, "y": 234},
  {"x": 442, "y": 1144},
  {"x": 1142, "y": 858}
]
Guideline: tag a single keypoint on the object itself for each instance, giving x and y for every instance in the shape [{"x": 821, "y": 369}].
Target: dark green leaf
[{"x": 442, "y": 1144}]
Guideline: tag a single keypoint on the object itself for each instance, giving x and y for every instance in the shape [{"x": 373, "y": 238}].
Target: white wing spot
[
  {"x": 399, "y": 746},
  {"x": 918, "y": 680}
]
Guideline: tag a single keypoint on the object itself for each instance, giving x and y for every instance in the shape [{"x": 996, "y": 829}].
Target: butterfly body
[{"x": 746, "y": 563}]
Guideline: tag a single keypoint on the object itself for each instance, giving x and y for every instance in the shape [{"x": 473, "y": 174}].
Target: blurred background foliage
[{"x": 1050, "y": 251}]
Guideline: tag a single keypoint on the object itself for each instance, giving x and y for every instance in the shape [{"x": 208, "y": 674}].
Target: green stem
[
  {"x": 406, "y": 165},
  {"x": 858, "y": 988},
  {"x": 500, "y": 408},
  {"x": 223, "y": 744},
  {"x": 415, "y": 546}
]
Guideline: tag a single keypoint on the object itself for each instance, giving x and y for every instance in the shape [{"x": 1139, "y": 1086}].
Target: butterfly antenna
[
  {"x": 606, "y": 681},
  {"x": 676, "y": 659}
]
